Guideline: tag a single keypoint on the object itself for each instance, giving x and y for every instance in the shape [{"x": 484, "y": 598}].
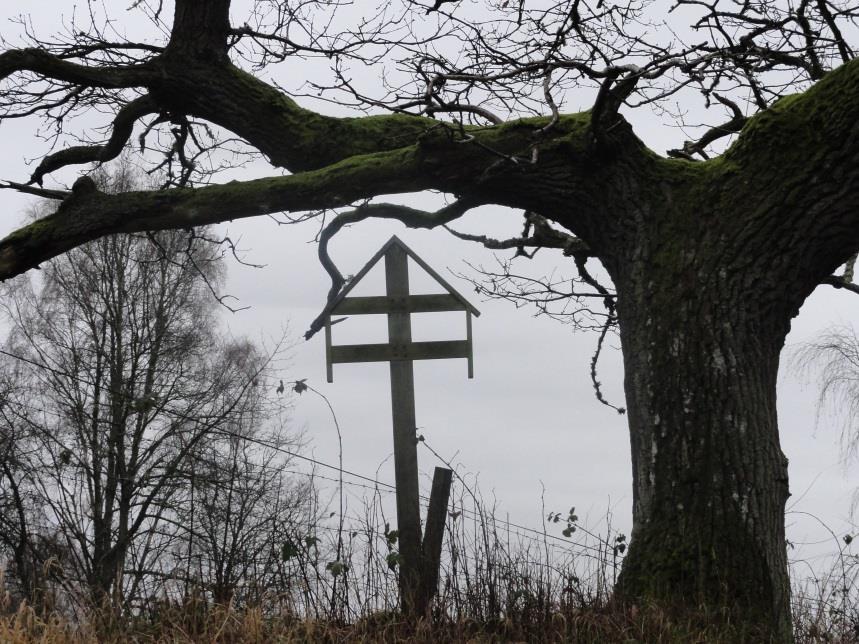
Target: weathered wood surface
[{"x": 433, "y": 303}]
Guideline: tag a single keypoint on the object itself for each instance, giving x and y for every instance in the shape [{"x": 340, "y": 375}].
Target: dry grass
[
  {"x": 198, "y": 622},
  {"x": 497, "y": 585}
]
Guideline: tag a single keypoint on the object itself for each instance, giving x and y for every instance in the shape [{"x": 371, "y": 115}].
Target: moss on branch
[
  {"x": 291, "y": 136},
  {"x": 85, "y": 216},
  {"x": 489, "y": 165}
]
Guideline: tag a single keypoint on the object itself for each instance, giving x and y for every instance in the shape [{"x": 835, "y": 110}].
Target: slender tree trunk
[{"x": 710, "y": 479}]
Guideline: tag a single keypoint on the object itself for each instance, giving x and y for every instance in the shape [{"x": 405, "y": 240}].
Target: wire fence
[{"x": 344, "y": 564}]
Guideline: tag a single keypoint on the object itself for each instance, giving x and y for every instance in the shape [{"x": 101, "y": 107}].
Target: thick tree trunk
[
  {"x": 200, "y": 30},
  {"x": 710, "y": 480}
]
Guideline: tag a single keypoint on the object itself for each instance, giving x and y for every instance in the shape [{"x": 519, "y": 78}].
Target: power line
[
  {"x": 181, "y": 416},
  {"x": 539, "y": 535},
  {"x": 425, "y": 499}
]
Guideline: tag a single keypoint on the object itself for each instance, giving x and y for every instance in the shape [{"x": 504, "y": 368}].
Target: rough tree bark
[
  {"x": 714, "y": 269},
  {"x": 710, "y": 260}
]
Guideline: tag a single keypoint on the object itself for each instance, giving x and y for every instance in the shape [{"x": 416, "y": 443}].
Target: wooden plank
[
  {"x": 329, "y": 369},
  {"x": 433, "y": 303},
  {"x": 405, "y": 445},
  {"x": 361, "y": 353},
  {"x": 436, "y": 350},
  {"x": 470, "y": 342}
]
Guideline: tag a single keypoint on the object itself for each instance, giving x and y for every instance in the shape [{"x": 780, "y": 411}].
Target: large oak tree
[{"x": 711, "y": 249}]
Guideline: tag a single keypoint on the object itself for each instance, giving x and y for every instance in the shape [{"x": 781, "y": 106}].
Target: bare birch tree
[{"x": 121, "y": 380}]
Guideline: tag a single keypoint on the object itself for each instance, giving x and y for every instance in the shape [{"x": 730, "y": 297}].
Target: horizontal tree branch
[
  {"x": 53, "y": 67},
  {"x": 88, "y": 214},
  {"x": 59, "y": 195}
]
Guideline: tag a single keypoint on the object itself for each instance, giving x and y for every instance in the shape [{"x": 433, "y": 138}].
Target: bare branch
[
  {"x": 837, "y": 281},
  {"x": 544, "y": 236},
  {"x": 123, "y": 126},
  {"x": 690, "y": 148},
  {"x": 38, "y": 192},
  {"x": 41, "y": 62},
  {"x": 411, "y": 217},
  {"x": 459, "y": 107}
]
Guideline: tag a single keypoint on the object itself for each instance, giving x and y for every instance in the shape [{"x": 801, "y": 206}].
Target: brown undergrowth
[
  {"x": 198, "y": 622},
  {"x": 499, "y": 582}
]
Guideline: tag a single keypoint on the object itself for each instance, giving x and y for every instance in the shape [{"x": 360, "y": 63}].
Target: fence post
[{"x": 434, "y": 534}]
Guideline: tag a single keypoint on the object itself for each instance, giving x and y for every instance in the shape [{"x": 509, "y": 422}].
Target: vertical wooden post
[
  {"x": 329, "y": 367},
  {"x": 405, "y": 445},
  {"x": 470, "y": 344},
  {"x": 434, "y": 533}
]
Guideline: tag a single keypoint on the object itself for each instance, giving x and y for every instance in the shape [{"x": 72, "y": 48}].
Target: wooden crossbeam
[
  {"x": 411, "y": 304},
  {"x": 438, "y": 350}
]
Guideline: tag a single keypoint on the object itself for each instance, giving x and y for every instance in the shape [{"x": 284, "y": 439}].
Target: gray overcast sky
[{"x": 529, "y": 418}]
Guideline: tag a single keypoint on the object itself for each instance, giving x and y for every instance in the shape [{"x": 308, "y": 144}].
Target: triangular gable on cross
[{"x": 397, "y": 302}]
